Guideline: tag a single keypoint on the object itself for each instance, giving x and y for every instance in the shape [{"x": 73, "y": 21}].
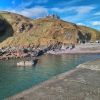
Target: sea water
[{"x": 15, "y": 79}]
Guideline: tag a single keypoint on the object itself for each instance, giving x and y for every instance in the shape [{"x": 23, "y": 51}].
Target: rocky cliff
[{"x": 17, "y": 30}]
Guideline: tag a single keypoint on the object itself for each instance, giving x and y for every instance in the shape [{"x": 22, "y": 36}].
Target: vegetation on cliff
[{"x": 17, "y": 30}]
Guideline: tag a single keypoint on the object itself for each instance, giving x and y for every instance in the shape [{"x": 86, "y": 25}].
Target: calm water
[{"x": 16, "y": 79}]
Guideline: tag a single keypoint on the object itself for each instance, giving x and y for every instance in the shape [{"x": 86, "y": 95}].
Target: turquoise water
[{"x": 15, "y": 79}]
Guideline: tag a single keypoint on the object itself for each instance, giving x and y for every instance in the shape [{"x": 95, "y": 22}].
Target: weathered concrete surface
[
  {"x": 78, "y": 84},
  {"x": 95, "y": 65}
]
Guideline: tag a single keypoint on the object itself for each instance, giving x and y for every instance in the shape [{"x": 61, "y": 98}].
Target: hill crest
[{"x": 18, "y": 30}]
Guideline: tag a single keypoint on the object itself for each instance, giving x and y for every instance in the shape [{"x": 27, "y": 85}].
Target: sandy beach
[{"x": 82, "y": 83}]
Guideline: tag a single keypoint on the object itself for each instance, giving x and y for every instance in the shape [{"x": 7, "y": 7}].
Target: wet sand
[{"x": 81, "y": 83}]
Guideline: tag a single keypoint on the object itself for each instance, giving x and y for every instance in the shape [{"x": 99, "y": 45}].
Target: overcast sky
[{"x": 82, "y": 12}]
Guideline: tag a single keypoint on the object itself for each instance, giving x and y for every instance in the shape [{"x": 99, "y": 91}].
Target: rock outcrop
[{"x": 17, "y": 30}]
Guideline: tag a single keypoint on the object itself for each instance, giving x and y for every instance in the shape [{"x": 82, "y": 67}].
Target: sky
[{"x": 81, "y": 12}]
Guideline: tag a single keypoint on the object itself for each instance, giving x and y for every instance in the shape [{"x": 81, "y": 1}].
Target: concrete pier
[{"x": 82, "y": 83}]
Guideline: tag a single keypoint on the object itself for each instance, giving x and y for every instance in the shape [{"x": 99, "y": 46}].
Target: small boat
[{"x": 27, "y": 63}]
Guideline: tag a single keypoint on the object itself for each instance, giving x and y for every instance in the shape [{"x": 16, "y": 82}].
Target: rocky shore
[
  {"x": 82, "y": 83},
  {"x": 79, "y": 48},
  {"x": 26, "y": 51},
  {"x": 21, "y": 52},
  {"x": 57, "y": 48}
]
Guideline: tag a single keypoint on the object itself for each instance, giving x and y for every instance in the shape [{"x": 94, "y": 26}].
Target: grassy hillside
[{"x": 17, "y": 30}]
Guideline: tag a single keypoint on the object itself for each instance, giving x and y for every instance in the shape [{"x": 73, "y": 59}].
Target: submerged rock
[{"x": 27, "y": 63}]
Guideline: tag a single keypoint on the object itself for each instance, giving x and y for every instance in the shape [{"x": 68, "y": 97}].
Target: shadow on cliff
[
  {"x": 6, "y": 30},
  {"x": 84, "y": 37}
]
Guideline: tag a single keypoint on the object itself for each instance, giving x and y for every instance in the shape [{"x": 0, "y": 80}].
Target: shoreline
[
  {"x": 89, "y": 52},
  {"x": 13, "y": 52},
  {"x": 79, "y": 49},
  {"x": 25, "y": 95},
  {"x": 33, "y": 88}
]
